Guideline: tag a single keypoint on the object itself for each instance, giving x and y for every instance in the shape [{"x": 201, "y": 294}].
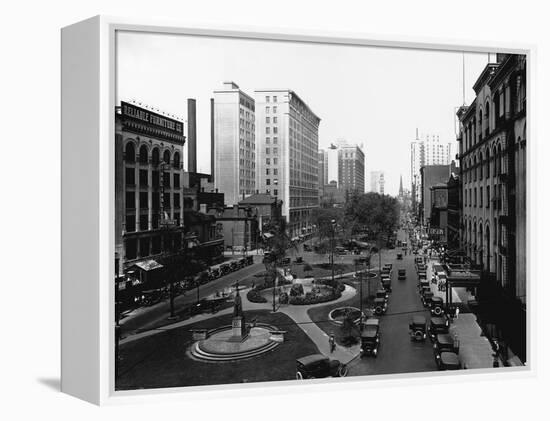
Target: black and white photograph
[{"x": 290, "y": 210}]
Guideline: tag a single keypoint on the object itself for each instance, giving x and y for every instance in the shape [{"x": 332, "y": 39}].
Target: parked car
[
  {"x": 417, "y": 328},
  {"x": 307, "y": 247},
  {"x": 370, "y": 339},
  {"x": 444, "y": 342},
  {"x": 438, "y": 326},
  {"x": 386, "y": 283},
  {"x": 382, "y": 293},
  {"x": 380, "y": 306},
  {"x": 340, "y": 250},
  {"x": 436, "y": 306},
  {"x": 402, "y": 274},
  {"x": 318, "y": 366},
  {"x": 447, "y": 361},
  {"x": 427, "y": 298},
  {"x": 399, "y": 256}
]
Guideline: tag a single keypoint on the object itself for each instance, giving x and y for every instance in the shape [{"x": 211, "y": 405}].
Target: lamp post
[{"x": 333, "y": 223}]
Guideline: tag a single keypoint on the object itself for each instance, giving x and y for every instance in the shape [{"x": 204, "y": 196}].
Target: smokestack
[
  {"x": 212, "y": 140},
  {"x": 191, "y": 135}
]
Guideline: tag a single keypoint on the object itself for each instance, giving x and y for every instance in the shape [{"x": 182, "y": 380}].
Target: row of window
[
  {"x": 155, "y": 200},
  {"x": 267, "y": 98},
  {"x": 131, "y": 226},
  {"x": 151, "y": 246},
  {"x": 268, "y": 130},
  {"x": 155, "y": 175},
  {"x": 143, "y": 157},
  {"x": 474, "y": 197}
]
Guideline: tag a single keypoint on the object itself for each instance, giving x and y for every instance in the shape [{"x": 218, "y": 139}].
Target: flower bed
[{"x": 310, "y": 298}]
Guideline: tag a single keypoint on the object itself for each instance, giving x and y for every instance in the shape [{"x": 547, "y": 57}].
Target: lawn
[
  {"x": 161, "y": 360},
  {"x": 320, "y": 315}
]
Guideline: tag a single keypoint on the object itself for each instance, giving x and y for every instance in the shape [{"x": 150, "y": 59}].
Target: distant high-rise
[
  {"x": 332, "y": 163},
  {"x": 287, "y": 133},
  {"x": 234, "y": 143},
  {"x": 427, "y": 151},
  {"x": 323, "y": 170},
  {"x": 377, "y": 182},
  {"x": 351, "y": 168}
]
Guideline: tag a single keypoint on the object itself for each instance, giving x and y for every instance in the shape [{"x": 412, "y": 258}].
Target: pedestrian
[{"x": 331, "y": 343}]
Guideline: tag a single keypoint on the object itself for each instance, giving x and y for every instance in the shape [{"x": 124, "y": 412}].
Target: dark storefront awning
[{"x": 465, "y": 279}]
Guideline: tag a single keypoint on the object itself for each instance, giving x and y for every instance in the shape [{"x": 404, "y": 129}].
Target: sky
[{"x": 373, "y": 96}]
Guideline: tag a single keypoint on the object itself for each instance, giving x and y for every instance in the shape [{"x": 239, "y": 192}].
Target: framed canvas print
[{"x": 246, "y": 209}]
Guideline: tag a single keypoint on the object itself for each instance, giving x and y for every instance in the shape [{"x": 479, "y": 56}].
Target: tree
[
  {"x": 323, "y": 218},
  {"x": 376, "y": 214}
]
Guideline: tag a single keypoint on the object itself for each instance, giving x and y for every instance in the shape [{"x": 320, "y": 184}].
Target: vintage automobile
[
  {"x": 249, "y": 260},
  {"x": 387, "y": 267},
  {"x": 318, "y": 366},
  {"x": 382, "y": 293},
  {"x": 424, "y": 284},
  {"x": 340, "y": 250},
  {"x": 307, "y": 247},
  {"x": 225, "y": 268},
  {"x": 380, "y": 306},
  {"x": 436, "y": 306},
  {"x": 417, "y": 328},
  {"x": 422, "y": 275},
  {"x": 427, "y": 298},
  {"x": 447, "y": 361},
  {"x": 370, "y": 339},
  {"x": 399, "y": 256},
  {"x": 438, "y": 326},
  {"x": 386, "y": 283},
  {"x": 285, "y": 260},
  {"x": 402, "y": 274},
  {"x": 444, "y": 342}
]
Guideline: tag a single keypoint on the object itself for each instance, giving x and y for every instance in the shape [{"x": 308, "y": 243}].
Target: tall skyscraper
[
  {"x": 287, "y": 134},
  {"x": 234, "y": 143},
  {"x": 351, "y": 168},
  {"x": 323, "y": 170},
  {"x": 427, "y": 151},
  {"x": 332, "y": 164},
  {"x": 377, "y": 182}
]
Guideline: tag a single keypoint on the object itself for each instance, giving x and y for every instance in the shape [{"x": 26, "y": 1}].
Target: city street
[{"x": 397, "y": 353}]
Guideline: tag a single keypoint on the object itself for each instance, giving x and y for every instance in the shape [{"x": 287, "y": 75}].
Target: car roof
[
  {"x": 437, "y": 299},
  {"x": 372, "y": 322},
  {"x": 449, "y": 358},
  {"x": 309, "y": 359},
  {"x": 381, "y": 291},
  {"x": 445, "y": 338},
  {"x": 437, "y": 321},
  {"x": 369, "y": 332},
  {"x": 379, "y": 300},
  {"x": 419, "y": 320}
]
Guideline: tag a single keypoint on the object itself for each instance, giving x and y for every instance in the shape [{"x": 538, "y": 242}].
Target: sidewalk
[{"x": 475, "y": 350}]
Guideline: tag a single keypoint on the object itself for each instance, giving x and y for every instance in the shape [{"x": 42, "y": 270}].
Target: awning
[
  {"x": 463, "y": 279},
  {"x": 148, "y": 265},
  {"x": 267, "y": 235}
]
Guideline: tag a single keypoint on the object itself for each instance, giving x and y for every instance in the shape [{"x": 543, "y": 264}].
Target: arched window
[
  {"x": 480, "y": 166},
  {"x": 487, "y": 119},
  {"x": 480, "y": 123},
  {"x": 130, "y": 152},
  {"x": 488, "y": 163},
  {"x": 166, "y": 157},
  {"x": 155, "y": 156},
  {"x": 474, "y": 168},
  {"x": 143, "y": 155},
  {"x": 495, "y": 159},
  {"x": 176, "y": 160},
  {"x": 498, "y": 161}
]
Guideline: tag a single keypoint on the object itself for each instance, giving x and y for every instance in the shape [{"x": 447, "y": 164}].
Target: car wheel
[
  {"x": 438, "y": 311},
  {"x": 342, "y": 370},
  {"x": 299, "y": 376},
  {"x": 418, "y": 335},
  {"x": 378, "y": 310}
]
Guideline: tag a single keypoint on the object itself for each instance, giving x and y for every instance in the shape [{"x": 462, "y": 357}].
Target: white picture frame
[{"x": 88, "y": 98}]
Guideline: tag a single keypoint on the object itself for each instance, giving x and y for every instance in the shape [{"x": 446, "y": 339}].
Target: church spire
[{"x": 401, "y": 185}]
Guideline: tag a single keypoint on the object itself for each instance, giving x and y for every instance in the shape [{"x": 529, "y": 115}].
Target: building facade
[
  {"x": 148, "y": 185},
  {"x": 287, "y": 134},
  {"x": 234, "y": 142},
  {"x": 492, "y": 151},
  {"x": 430, "y": 176},
  {"x": 377, "y": 182},
  {"x": 323, "y": 170},
  {"x": 428, "y": 150},
  {"x": 351, "y": 168}
]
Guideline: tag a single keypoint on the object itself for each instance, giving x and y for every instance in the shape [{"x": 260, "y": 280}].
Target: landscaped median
[{"x": 163, "y": 360}]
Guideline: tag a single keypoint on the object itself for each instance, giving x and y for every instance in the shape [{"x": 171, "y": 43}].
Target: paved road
[{"x": 397, "y": 353}]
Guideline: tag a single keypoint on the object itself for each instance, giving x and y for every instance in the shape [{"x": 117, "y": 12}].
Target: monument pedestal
[{"x": 239, "y": 330}]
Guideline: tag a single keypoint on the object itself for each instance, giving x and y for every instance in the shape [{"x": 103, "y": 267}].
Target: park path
[{"x": 299, "y": 314}]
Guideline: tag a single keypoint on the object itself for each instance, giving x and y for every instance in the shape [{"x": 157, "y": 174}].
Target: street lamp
[{"x": 333, "y": 224}]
